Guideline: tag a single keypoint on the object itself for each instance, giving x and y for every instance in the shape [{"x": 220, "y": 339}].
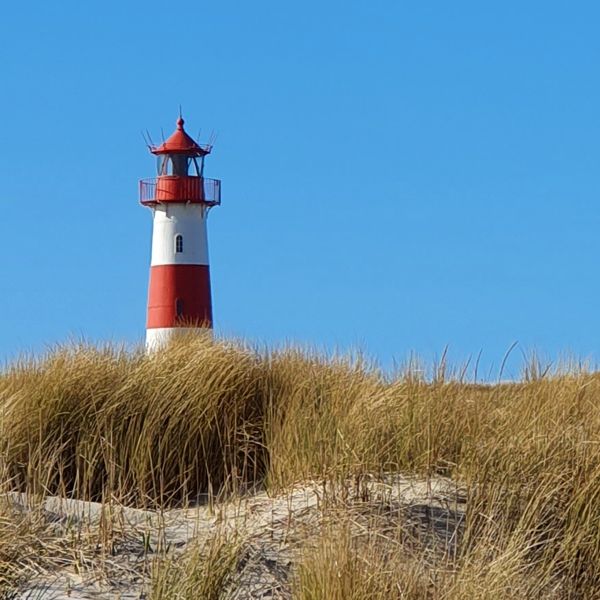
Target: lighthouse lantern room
[{"x": 180, "y": 197}]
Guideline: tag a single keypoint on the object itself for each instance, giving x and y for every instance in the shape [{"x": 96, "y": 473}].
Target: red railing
[{"x": 171, "y": 188}]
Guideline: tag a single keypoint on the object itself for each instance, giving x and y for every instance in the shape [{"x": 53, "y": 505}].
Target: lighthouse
[{"x": 180, "y": 198}]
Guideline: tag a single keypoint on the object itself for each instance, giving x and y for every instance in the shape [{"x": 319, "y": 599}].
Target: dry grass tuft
[
  {"x": 351, "y": 565},
  {"x": 205, "y": 571}
]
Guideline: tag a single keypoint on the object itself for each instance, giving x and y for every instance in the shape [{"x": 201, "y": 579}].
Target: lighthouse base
[{"x": 159, "y": 337}]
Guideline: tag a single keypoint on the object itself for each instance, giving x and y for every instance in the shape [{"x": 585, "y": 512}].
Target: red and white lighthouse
[{"x": 179, "y": 297}]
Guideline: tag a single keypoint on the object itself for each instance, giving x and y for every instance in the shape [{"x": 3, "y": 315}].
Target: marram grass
[{"x": 214, "y": 419}]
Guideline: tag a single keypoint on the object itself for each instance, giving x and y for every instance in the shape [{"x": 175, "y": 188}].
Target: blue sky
[{"x": 397, "y": 176}]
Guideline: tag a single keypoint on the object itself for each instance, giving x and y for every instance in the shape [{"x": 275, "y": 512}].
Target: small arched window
[
  {"x": 179, "y": 308},
  {"x": 178, "y": 243}
]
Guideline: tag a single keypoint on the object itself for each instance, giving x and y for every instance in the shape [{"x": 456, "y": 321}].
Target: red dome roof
[{"x": 181, "y": 143}]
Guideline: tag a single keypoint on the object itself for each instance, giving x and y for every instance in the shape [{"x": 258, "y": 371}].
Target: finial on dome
[{"x": 180, "y": 123}]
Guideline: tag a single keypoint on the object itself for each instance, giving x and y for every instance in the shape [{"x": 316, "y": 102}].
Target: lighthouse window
[
  {"x": 196, "y": 165},
  {"x": 180, "y": 164},
  {"x": 179, "y": 307},
  {"x": 161, "y": 166},
  {"x": 178, "y": 243},
  {"x": 173, "y": 164}
]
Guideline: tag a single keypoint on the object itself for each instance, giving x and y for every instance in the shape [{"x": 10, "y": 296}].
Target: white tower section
[{"x": 179, "y": 235}]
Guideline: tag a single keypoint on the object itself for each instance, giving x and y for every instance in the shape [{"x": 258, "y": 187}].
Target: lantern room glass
[{"x": 180, "y": 165}]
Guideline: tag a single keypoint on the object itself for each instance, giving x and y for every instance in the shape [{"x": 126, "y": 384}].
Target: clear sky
[{"x": 397, "y": 176}]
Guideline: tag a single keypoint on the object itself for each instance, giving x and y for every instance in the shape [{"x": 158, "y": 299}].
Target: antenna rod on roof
[
  {"x": 180, "y": 115},
  {"x": 162, "y": 133},
  {"x": 148, "y": 134}
]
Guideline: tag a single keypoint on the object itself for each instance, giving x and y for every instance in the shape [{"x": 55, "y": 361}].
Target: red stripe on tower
[
  {"x": 180, "y": 198},
  {"x": 179, "y": 295}
]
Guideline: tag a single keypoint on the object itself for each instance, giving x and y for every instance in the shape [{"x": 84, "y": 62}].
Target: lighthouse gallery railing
[{"x": 171, "y": 188}]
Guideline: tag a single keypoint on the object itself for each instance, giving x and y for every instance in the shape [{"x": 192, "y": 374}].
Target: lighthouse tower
[{"x": 180, "y": 198}]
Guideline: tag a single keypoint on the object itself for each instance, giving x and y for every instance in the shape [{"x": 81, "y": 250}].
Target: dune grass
[
  {"x": 205, "y": 571},
  {"x": 211, "y": 420}
]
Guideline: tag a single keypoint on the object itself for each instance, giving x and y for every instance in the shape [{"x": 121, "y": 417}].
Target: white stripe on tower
[{"x": 188, "y": 221}]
